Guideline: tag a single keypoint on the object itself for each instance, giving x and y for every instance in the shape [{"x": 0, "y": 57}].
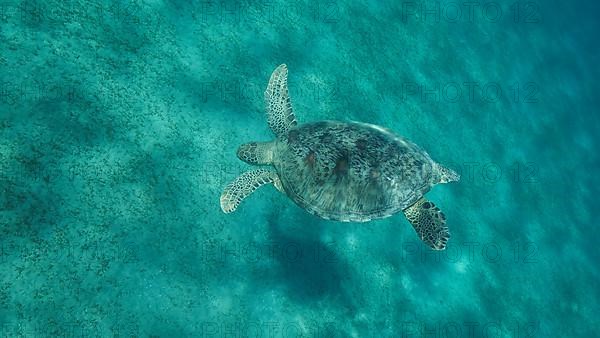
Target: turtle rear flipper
[
  {"x": 235, "y": 192},
  {"x": 280, "y": 115},
  {"x": 429, "y": 223}
]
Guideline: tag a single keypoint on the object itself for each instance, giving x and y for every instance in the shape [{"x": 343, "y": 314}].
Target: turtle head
[
  {"x": 256, "y": 152},
  {"x": 445, "y": 175}
]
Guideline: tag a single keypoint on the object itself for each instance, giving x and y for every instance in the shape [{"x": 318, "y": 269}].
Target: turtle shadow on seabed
[{"x": 310, "y": 269}]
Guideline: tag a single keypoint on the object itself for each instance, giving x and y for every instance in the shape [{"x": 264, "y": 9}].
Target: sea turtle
[{"x": 344, "y": 171}]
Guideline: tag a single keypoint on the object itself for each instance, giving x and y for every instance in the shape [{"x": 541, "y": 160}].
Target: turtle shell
[{"x": 351, "y": 171}]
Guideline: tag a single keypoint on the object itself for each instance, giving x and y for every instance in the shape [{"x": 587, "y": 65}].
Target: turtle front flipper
[
  {"x": 280, "y": 115},
  {"x": 235, "y": 192},
  {"x": 429, "y": 223}
]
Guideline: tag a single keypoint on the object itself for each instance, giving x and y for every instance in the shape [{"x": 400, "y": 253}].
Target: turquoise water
[{"x": 119, "y": 123}]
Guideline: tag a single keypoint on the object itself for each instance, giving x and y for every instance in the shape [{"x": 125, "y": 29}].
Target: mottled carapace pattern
[{"x": 352, "y": 171}]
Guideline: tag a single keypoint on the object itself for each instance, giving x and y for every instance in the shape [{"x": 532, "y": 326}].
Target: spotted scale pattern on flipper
[
  {"x": 235, "y": 192},
  {"x": 429, "y": 222},
  {"x": 280, "y": 115}
]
